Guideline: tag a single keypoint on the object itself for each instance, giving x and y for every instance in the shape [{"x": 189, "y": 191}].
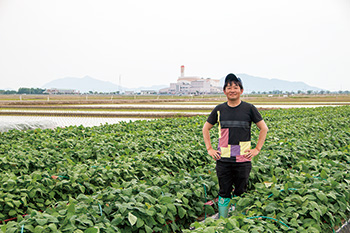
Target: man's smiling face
[{"x": 233, "y": 91}]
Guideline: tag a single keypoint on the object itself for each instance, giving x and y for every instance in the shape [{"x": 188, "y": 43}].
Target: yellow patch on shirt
[
  {"x": 244, "y": 146},
  {"x": 225, "y": 152},
  {"x": 219, "y": 126}
]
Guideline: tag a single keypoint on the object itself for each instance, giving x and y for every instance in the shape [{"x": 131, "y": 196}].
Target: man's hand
[
  {"x": 215, "y": 154},
  {"x": 251, "y": 153}
]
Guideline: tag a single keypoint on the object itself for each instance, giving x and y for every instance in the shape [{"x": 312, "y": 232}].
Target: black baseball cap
[{"x": 231, "y": 77}]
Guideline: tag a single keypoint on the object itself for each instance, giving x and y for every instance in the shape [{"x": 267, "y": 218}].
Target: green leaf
[
  {"x": 258, "y": 204},
  {"x": 321, "y": 196},
  {"x": 315, "y": 215},
  {"x": 118, "y": 218},
  {"x": 122, "y": 208},
  {"x": 312, "y": 230},
  {"x": 29, "y": 227},
  {"x": 71, "y": 210},
  {"x": 32, "y": 193},
  {"x": 132, "y": 218},
  {"x": 41, "y": 221},
  {"x": 150, "y": 212},
  {"x": 324, "y": 174},
  {"x": 148, "y": 229},
  {"x": 24, "y": 200},
  {"x": 209, "y": 209},
  {"x": 332, "y": 195},
  {"x": 243, "y": 202},
  {"x": 271, "y": 207},
  {"x": 197, "y": 193},
  {"x": 185, "y": 200},
  {"x": 172, "y": 208},
  {"x": 3, "y": 228},
  {"x": 293, "y": 222},
  {"x": 139, "y": 223},
  {"x": 196, "y": 225},
  {"x": 17, "y": 203},
  {"x": 160, "y": 218},
  {"x": 12, "y": 212},
  {"x": 166, "y": 199},
  {"x": 53, "y": 227},
  {"x": 181, "y": 212},
  {"x": 38, "y": 229},
  {"x": 92, "y": 230},
  {"x": 209, "y": 230},
  {"x": 163, "y": 209},
  {"x": 9, "y": 203},
  {"x": 69, "y": 227}
]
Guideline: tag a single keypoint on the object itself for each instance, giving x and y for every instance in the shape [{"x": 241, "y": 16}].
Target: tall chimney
[{"x": 182, "y": 71}]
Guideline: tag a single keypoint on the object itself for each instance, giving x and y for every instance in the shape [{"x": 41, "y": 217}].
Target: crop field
[
  {"x": 150, "y": 99},
  {"x": 147, "y": 106},
  {"x": 156, "y": 176}
]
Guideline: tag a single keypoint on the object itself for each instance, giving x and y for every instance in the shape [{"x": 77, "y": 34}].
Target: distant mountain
[
  {"x": 252, "y": 83},
  {"x": 84, "y": 84},
  {"x": 88, "y": 83}
]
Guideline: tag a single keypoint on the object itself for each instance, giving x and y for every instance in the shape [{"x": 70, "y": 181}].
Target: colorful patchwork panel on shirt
[
  {"x": 229, "y": 144},
  {"x": 230, "y": 151}
]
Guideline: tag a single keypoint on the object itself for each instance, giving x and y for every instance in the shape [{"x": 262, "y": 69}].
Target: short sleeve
[
  {"x": 213, "y": 117},
  {"x": 256, "y": 116}
]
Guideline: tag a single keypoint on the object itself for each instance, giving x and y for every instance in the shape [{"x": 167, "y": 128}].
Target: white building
[
  {"x": 192, "y": 85},
  {"x": 129, "y": 93},
  {"x": 61, "y": 91},
  {"x": 201, "y": 86},
  {"x": 148, "y": 92}
]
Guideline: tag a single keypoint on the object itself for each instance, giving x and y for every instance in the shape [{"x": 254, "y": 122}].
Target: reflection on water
[
  {"x": 208, "y": 106},
  {"x": 31, "y": 122}
]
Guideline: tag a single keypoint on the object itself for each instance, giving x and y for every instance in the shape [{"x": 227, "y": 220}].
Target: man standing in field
[{"x": 233, "y": 156}]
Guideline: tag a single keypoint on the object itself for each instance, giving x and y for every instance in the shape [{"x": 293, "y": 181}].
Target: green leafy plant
[{"x": 155, "y": 176}]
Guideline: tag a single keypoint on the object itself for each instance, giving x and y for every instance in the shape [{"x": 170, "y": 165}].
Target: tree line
[{"x": 23, "y": 90}]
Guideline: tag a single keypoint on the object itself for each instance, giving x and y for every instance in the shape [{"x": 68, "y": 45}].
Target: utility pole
[{"x": 120, "y": 81}]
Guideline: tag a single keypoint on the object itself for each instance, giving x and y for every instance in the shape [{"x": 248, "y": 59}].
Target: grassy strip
[
  {"x": 110, "y": 109},
  {"x": 117, "y": 115}
]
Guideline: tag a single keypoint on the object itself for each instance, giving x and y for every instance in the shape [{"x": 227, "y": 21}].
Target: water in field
[
  {"x": 44, "y": 122},
  {"x": 150, "y": 106},
  {"x": 205, "y": 107},
  {"x": 31, "y": 122}
]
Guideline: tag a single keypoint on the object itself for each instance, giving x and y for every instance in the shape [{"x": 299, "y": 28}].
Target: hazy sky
[{"x": 146, "y": 42}]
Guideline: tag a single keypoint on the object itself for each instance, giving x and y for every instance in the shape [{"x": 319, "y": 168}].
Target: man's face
[{"x": 233, "y": 91}]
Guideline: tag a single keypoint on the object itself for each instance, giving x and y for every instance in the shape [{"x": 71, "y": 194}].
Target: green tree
[{"x": 25, "y": 90}]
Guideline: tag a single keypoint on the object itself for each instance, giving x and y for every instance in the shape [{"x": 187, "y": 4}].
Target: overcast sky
[{"x": 146, "y": 42}]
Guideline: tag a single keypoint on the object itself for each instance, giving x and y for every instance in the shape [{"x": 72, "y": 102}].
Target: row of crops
[{"x": 155, "y": 176}]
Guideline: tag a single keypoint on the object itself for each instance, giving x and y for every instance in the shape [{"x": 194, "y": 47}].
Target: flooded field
[
  {"x": 47, "y": 122},
  {"x": 208, "y": 106},
  {"x": 65, "y": 112}
]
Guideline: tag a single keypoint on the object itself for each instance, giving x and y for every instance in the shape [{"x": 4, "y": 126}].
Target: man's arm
[
  {"x": 215, "y": 154},
  {"x": 262, "y": 137}
]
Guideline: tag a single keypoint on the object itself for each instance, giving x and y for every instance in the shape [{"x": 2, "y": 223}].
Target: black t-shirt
[{"x": 234, "y": 129}]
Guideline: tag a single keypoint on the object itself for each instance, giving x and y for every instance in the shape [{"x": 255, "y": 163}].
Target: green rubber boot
[{"x": 223, "y": 205}]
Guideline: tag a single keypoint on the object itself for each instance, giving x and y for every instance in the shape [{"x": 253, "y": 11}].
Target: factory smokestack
[{"x": 182, "y": 71}]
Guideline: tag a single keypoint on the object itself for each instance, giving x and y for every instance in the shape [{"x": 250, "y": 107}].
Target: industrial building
[{"x": 192, "y": 85}]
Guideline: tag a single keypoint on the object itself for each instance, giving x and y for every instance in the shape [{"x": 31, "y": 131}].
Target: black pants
[{"x": 232, "y": 174}]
